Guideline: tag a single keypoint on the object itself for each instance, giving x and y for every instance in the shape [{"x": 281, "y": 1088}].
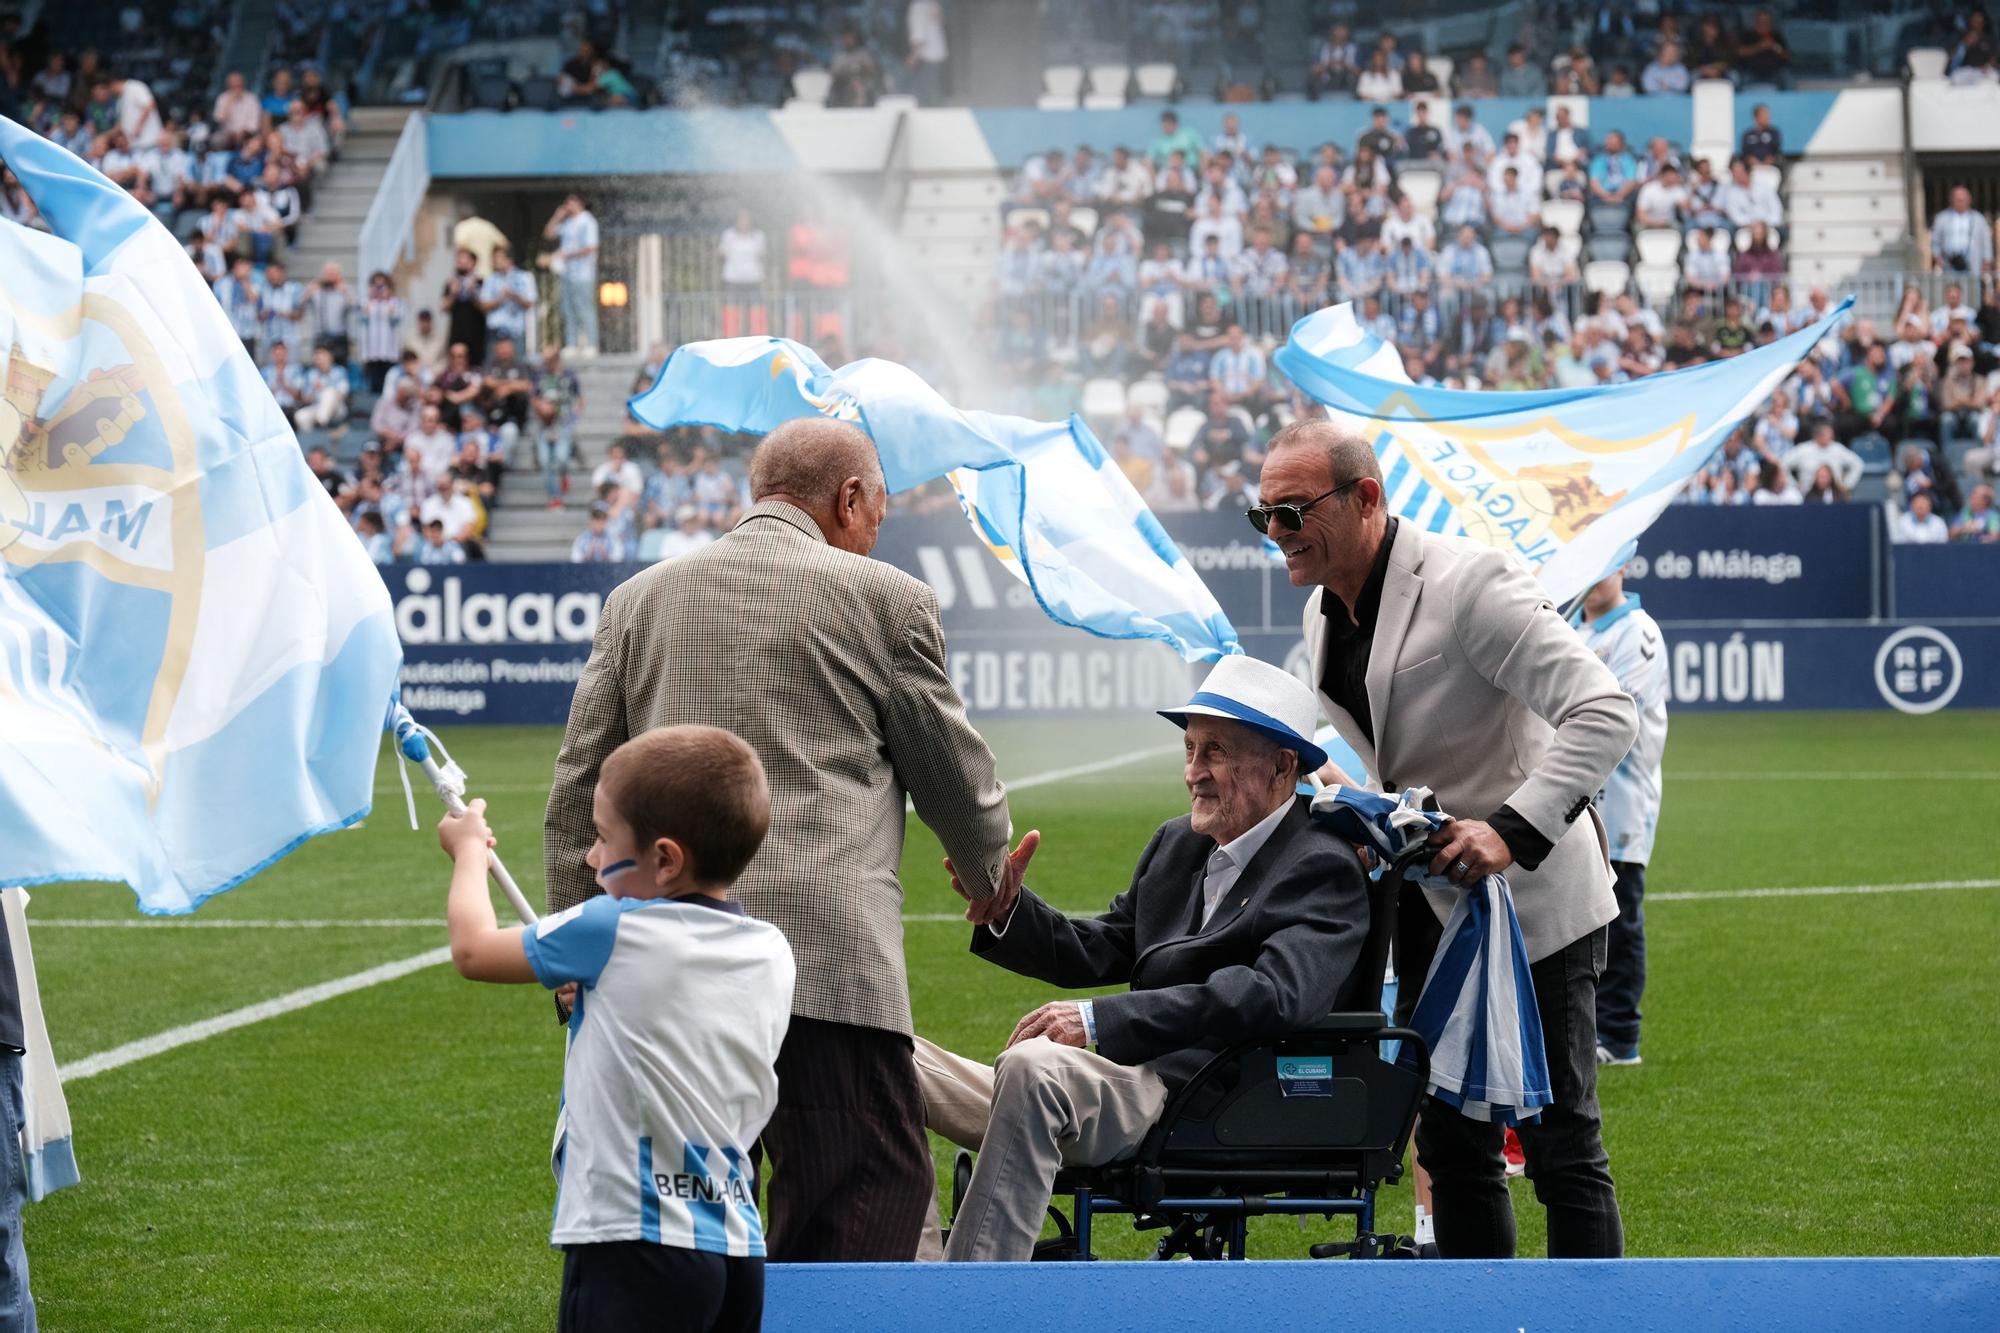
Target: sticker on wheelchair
[{"x": 1305, "y": 1076}]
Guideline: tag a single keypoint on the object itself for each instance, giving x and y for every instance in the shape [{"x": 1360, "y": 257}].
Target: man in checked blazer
[
  {"x": 1442, "y": 662},
  {"x": 831, "y": 666},
  {"x": 1244, "y": 919}
]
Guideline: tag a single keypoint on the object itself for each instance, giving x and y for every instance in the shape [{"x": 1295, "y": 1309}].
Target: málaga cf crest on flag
[{"x": 195, "y": 653}]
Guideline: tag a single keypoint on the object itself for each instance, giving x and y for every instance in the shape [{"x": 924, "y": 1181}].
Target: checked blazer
[{"x": 831, "y": 665}]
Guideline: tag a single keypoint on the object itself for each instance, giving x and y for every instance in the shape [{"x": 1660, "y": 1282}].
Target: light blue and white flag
[
  {"x": 1477, "y": 1010},
  {"x": 196, "y": 655},
  {"x": 1044, "y": 497},
  {"x": 1566, "y": 479}
]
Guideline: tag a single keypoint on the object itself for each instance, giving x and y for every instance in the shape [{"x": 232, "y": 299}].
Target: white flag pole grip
[{"x": 416, "y": 743}]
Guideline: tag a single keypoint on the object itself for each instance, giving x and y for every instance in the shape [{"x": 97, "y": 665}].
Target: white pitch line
[
  {"x": 238, "y": 923},
  {"x": 1827, "y": 890},
  {"x": 1095, "y": 766},
  {"x": 1821, "y": 775},
  {"x": 187, "y": 1034}
]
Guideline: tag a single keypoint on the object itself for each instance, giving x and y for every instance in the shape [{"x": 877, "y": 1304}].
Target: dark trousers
[
  {"x": 1564, "y": 1148},
  {"x": 851, "y": 1172},
  {"x": 619, "y": 1286},
  {"x": 1624, "y": 979}
]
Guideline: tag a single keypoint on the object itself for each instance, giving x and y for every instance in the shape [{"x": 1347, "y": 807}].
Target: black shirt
[
  {"x": 1424, "y": 142},
  {"x": 1344, "y": 678}
]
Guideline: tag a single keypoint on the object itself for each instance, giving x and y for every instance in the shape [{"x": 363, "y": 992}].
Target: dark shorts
[{"x": 628, "y": 1285}]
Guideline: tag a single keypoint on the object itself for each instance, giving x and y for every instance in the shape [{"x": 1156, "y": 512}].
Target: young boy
[{"x": 681, "y": 1002}]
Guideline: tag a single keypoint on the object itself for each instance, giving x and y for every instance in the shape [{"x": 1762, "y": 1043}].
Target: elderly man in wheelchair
[{"x": 1233, "y": 1078}]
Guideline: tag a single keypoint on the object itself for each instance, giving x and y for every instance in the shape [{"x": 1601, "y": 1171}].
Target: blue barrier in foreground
[{"x": 1546, "y": 1296}]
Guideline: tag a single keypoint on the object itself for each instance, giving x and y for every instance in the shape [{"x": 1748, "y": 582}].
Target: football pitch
[{"x": 1820, "y": 1043}]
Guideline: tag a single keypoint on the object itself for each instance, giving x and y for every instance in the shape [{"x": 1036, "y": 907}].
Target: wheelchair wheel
[{"x": 961, "y": 1180}]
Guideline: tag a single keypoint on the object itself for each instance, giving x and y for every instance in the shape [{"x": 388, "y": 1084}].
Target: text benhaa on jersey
[{"x": 703, "y": 1188}]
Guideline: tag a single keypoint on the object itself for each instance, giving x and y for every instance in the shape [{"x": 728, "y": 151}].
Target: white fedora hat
[{"x": 1265, "y": 698}]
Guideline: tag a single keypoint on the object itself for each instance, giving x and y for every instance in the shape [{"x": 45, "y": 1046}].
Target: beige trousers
[{"x": 1037, "y": 1108}]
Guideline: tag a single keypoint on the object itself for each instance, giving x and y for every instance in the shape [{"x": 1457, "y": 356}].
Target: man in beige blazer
[
  {"x": 831, "y": 665},
  {"x": 1443, "y": 663}
]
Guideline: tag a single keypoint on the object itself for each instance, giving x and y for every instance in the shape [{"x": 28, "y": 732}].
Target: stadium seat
[
  {"x": 1928, "y": 62},
  {"x": 1150, "y": 395},
  {"x": 1243, "y": 1139},
  {"x": 1021, "y": 217},
  {"x": 490, "y": 93},
  {"x": 811, "y": 85},
  {"x": 1107, "y": 87},
  {"x": 538, "y": 93},
  {"x": 1510, "y": 253},
  {"x": 1717, "y": 155},
  {"x": 1565, "y": 215},
  {"x": 1441, "y": 67},
  {"x": 1084, "y": 220},
  {"x": 1421, "y": 187},
  {"x": 1571, "y": 247},
  {"x": 1579, "y": 109},
  {"x": 1183, "y": 426},
  {"x": 1062, "y": 88},
  {"x": 1607, "y": 277},
  {"x": 1876, "y": 455},
  {"x": 1714, "y": 111},
  {"x": 1657, "y": 283},
  {"x": 1157, "y": 81},
  {"x": 1658, "y": 246},
  {"x": 1103, "y": 403},
  {"x": 896, "y": 102},
  {"x": 1743, "y": 239},
  {"x": 1610, "y": 245},
  {"x": 1610, "y": 217},
  {"x": 1767, "y": 174}
]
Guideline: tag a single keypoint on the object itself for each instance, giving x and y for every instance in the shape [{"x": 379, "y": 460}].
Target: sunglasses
[{"x": 1289, "y": 516}]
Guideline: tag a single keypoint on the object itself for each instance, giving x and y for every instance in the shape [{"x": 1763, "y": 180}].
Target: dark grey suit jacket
[{"x": 1278, "y": 953}]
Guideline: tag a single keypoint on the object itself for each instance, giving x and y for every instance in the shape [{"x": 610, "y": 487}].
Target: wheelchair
[{"x": 1309, "y": 1123}]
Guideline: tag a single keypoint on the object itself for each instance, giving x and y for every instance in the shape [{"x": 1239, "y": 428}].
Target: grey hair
[
  {"x": 1348, "y": 456},
  {"x": 810, "y": 459}
]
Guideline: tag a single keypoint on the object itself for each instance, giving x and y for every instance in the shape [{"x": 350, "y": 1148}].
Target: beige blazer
[
  {"x": 1481, "y": 692},
  {"x": 831, "y": 665}
]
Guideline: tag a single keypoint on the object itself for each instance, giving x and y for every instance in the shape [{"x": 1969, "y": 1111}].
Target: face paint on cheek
[{"x": 613, "y": 871}]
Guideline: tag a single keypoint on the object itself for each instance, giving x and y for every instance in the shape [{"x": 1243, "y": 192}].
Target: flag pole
[{"x": 448, "y": 781}]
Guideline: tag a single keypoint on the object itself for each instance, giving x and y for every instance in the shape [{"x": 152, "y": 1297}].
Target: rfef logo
[{"x": 1918, "y": 670}]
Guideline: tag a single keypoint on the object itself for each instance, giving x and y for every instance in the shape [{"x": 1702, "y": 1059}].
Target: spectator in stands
[
  {"x": 395, "y": 415},
  {"x": 1665, "y": 73},
  {"x": 429, "y": 449},
  {"x": 1775, "y": 486},
  {"x": 242, "y": 301},
  {"x": 1176, "y": 486},
  {"x": 1661, "y": 199},
  {"x": 506, "y": 296},
  {"x": 459, "y": 382},
  {"x": 375, "y": 537},
  {"x": 1979, "y": 521},
  {"x": 332, "y": 306},
  {"x": 1360, "y": 268},
  {"x": 1084, "y": 177},
  {"x": 506, "y": 385},
  {"x": 1746, "y": 200},
  {"x": 621, "y": 472},
  {"x": 1518, "y": 77},
  {"x": 1475, "y": 78},
  {"x": 1825, "y": 488},
  {"x": 1226, "y": 436},
  {"x": 286, "y": 381},
  {"x": 1467, "y": 142},
  {"x": 1257, "y": 281},
  {"x": 1705, "y": 267},
  {"x": 1614, "y": 173},
  {"x": 1174, "y": 137},
  {"x": 381, "y": 330},
  {"x": 1462, "y": 202},
  {"x": 427, "y": 340},
  {"x": 1866, "y": 395},
  {"x": 857, "y": 74},
  {"x": 1713, "y": 51},
  {"x": 1763, "y": 143},
  {"x": 1380, "y": 81},
  {"x": 1962, "y": 398},
  {"x": 1961, "y": 239},
  {"x": 1514, "y": 209},
  {"x": 1732, "y": 336},
  {"x": 1417, "y": 77},
  {"x": 321, "y": 104},
  {"x": 325, "y": 393},
  {"x": 1465, "y": 266},
  {"x": 1044, "y": 179},
  {"x": 437, "y": 548},
  {"x": 928, "y": 55},
  {"x": 137, "y": 114},
  {"x": 305, "y": 140},
  {"x": 237, "y": 110},
  {"x": 1758, "y": 265},
  {"x": 685, "y": 536},
  {"x": 1762, "y": 56},
  {"x": 1917, "y": 525},
  {"x": 465, "y": 310},
  {"x": 1974, "y": 50},
  {"x": 1527, "y": 167},
  {"x": 1127, "y": 182},
  {"x": 1567, "y": 143},
  {"x": 573, "y": 227},
  {"x": 1336, "y": 66},
  {"x": 1550, "y": 264},
  {"x": 1375, "y": 320},
  {"x": 1704, "y": 197},
  {"x": 1318, "y": 208},
  {"x": 1619, "y": 84},
  {"x": 1805, "y": 461},
  {"x": 1423, "y": 141}
]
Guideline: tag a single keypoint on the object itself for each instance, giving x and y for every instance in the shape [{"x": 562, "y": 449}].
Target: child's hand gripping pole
[{"x": 448, "y": 780}]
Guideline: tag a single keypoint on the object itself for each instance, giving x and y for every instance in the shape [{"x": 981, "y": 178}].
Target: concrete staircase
[
  {"x": 522, "y": 526},
  {"x": 951, "y": 228},
  {"x": 1848, "y": 220},
  {"x": 331, "y": 232}
]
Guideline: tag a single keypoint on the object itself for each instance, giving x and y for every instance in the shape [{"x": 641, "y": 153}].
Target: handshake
[{"x": 998, "y": 907}]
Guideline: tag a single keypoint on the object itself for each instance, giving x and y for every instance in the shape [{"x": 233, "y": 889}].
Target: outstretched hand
[{"x": 986, "y": 911}]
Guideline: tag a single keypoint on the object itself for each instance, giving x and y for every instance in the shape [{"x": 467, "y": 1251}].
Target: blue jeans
[
  {"x": 553, "y": 445},
  {"x": 1624, "y": 979},
  {"x": 17, "y": 1306},
  {"x": 579, "y": 312}
]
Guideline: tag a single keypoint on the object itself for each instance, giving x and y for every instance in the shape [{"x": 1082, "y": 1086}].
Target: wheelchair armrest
[{"x": 1358, "y": 1021}]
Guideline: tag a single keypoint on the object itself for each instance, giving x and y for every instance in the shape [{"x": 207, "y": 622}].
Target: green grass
[{"x": 1819, "y": 1073}]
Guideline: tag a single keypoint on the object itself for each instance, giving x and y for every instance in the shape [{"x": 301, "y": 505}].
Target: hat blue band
[{"x": 1278, "y": 731}]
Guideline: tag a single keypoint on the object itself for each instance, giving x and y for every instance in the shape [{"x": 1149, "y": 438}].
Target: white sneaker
[{"x": 1607, "y": 1056}]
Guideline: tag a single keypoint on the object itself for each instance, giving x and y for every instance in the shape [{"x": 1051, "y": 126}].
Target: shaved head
[{"x": 809, "y": 459}]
